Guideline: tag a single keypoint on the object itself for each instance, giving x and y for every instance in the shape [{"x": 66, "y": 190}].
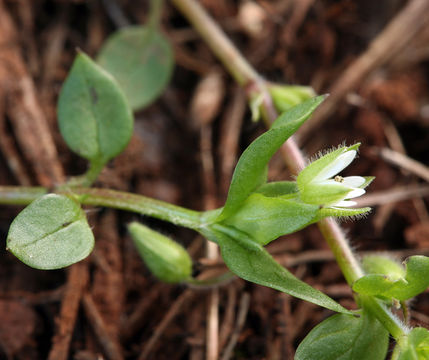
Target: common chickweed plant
[{"x": 95, "y": 114}]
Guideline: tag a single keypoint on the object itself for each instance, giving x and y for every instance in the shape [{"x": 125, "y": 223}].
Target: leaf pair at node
[{"x": 389, "y": 280}]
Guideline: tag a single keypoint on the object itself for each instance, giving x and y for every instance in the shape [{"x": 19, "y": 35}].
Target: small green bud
[
  {"x": 165, "y": 258},
  {"x": 378, "y": 264},
  {"x": 319, "y": 183},
  {"x": 287, "y": 96}
]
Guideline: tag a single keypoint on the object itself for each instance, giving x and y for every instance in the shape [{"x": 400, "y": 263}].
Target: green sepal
[
  {"x": 368, "y": 181},
  {"x": 50, "y": 233},
  {"x": 250, "y": 261},
  {"x": 165, "y": 258},
  {"x": 315, "y": 194},
  {"x": 278, "y": 188},
  {"x": 342, "y": 212},
  {"x": 307, "y": 175},
  {"x": 415, "y": 281},
  {"x": 345, "y": 337},
  {"x": 250, "y": 171},
  {"x": 266, "y": 218}
]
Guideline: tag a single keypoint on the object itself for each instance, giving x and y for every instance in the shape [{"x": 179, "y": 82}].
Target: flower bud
[
  {"x": 165, "y": 258},
  {"x": 286, "y": 96},
  {"x": 319, "y": 183},
  {"x": 379, "y": 264}
]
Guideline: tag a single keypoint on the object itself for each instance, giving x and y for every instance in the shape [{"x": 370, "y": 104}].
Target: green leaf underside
[
  {"x": 266, "y": 218},
  {"x": 252, "y": 262},
  {"x": 50, "y": 233},
  {"x": 147, "y": 67},
  {"x": 413, "y": 347},
  {"x": 345, "y": 337},
  {"x": 93, "y": 114},
  {"x": 415, "y": 281},
  {"x": 251, "y": 167}
]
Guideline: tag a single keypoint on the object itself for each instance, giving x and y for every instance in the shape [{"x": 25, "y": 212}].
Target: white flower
[{"x": 319, "y": 183}]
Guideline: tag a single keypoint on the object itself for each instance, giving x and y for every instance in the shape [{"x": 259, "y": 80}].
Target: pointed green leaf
[
  {"x": 345, "y": 337},
  {"x": 416, "y": 281},
  {"x": 50, "y": 233},
  {"x": 253, "y": 162},
  {"x": 252, "y": 262},
  {"x": 266, "y": 218},
  {"x": 93, "y": 114},
  {"x": 141, "y": 59}
]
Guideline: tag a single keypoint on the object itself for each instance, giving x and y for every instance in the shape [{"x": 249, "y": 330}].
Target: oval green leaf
[
  {"x": 251, "y": 168},
  {"x": 141, "y": 60},
  {"x": 50, "y": 233},
  {"x": 345, "y": 337},
  {"x": 93, "y": 114}
]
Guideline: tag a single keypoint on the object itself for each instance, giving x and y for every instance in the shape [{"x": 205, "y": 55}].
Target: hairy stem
[
  {"x": 248, "y": 77},
  {"x": 391, "y": 322},
  {"x": 227, "y": 53}
]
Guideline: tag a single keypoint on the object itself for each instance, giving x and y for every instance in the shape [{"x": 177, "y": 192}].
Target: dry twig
[
  {"x": 169, "y": 316},
  {"x": 111, "y": 348},
  {"x": 392, "y": 40},
  {"x": 241, "y": 318}
]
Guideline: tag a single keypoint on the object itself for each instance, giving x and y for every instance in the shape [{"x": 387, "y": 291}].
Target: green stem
[
  {"x": 20, "y": 195},
  {"x": 109, "y": 198},
  {"x": 94, "y": 170},
  {"x": 140, "y": 204},
  {"x": 339, "y": 245},
  {"x": 224, "y": 49},
  {"x": 155, "y": 14},
  {"x": 391, "y": 322},
  {"x": 87, "y": 179}
]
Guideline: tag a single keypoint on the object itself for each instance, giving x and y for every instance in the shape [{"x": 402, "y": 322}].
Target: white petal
[
  {"x": 355, "y": 193},
  {"x": 344, "y": 203},
  {"x": 340, "y": 163},
  {"x": 353, "y": 181}
]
